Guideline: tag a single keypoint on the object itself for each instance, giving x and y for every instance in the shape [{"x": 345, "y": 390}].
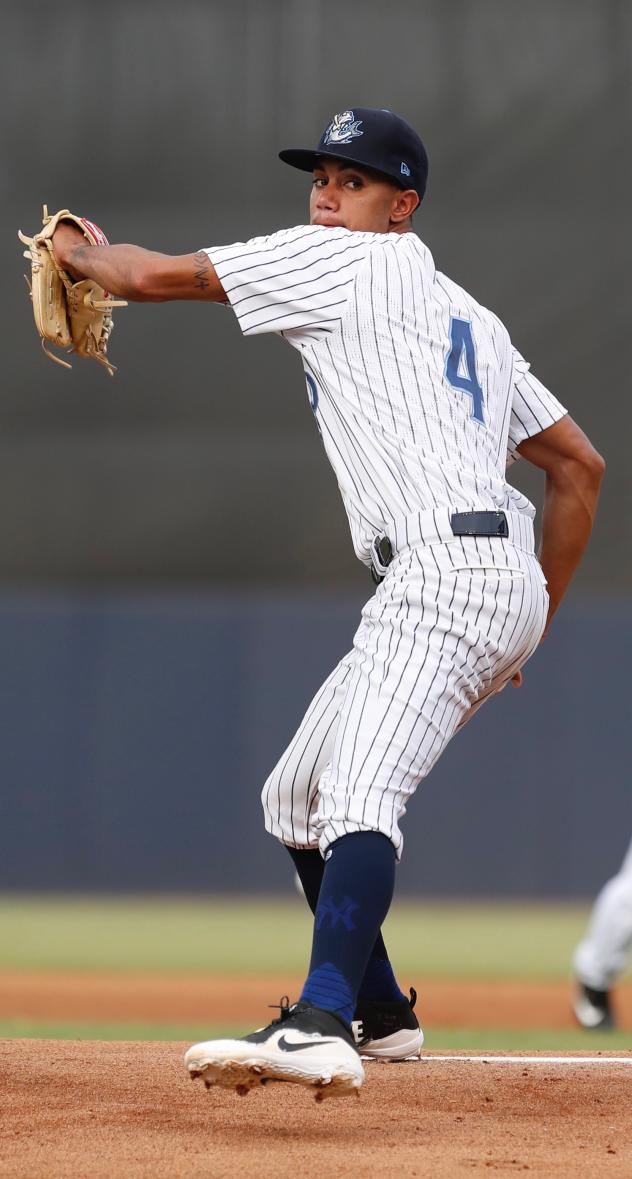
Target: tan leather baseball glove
[{"x": 72, "y": 315}]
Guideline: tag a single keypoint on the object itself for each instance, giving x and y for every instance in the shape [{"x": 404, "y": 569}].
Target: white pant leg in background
[
  {"x": 603, "y": 953},
  {"x": 445, "y": 630}
]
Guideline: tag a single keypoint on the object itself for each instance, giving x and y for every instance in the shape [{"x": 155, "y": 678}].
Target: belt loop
[{"x": 381, "y": 557}]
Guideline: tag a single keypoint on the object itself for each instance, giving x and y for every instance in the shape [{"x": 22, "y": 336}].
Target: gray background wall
[
  {"x": 138, "y": 733},
  {"x": 163, "y": 122}
]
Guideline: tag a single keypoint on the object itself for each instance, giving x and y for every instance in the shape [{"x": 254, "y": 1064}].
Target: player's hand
[
  {"x": 515, "y": 681},
  {"x": 65, "y": 238}
]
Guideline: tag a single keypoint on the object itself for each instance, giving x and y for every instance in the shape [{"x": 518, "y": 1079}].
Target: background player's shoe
[
  {"x": 388, "y": 1031},
  {"x": 305, "y": 1045},
  {"x": 592, "y": 1007}
]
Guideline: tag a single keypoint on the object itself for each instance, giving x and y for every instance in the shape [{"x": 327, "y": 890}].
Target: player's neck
[{"x": 402, "y": 227}]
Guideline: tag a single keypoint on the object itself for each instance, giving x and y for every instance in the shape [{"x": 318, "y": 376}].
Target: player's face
[{"x": 354, "y": 198}]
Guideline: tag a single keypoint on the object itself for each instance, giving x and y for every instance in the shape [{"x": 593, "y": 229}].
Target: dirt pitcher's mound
[
  {"x": 91, "y": 1110},
  {"x": 241, "y": 1000}
]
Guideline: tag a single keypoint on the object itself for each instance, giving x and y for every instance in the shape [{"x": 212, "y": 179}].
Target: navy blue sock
[
  {"x": 355, "y": 896},
  {"x": 379, "y": 982},
  {"x": 309, "y": 866}
]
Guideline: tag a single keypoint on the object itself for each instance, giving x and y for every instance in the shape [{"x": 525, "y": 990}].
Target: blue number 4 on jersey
[{"x": 460, "y": 365}]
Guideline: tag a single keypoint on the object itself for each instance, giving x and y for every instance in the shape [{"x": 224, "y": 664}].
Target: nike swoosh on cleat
[{"x": 285, "y": 1045}]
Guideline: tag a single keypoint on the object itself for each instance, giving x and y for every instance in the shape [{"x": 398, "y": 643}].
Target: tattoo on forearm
[
  {"x": 201, "y": 266},
  {"x": 78, "y": 255}
]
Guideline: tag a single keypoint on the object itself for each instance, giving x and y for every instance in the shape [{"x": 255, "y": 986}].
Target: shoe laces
[{"x": 283, "y": 1007}]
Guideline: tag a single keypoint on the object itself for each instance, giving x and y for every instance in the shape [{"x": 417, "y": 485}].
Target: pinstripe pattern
[
  {"x": 370, "y": 316},
  {"x": 444, "y": 632},
  {"x": 454, "y": 618}
]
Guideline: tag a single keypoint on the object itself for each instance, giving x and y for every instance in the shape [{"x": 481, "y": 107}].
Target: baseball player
[
  {"x": 602, "y": 955},
  {"x": 420, "y": 399}
]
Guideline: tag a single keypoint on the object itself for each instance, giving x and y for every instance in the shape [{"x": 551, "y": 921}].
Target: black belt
[{"x": 461, "y": 523}]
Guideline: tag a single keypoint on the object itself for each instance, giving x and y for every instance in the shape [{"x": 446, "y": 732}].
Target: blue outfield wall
[{"x": 138, "y": 730}]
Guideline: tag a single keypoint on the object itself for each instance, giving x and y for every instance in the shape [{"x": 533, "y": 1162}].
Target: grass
[
  {"x": 231, "y": 935},
  {"x": 238, "y": 935},
  {"x": 437, "y": 1039}
]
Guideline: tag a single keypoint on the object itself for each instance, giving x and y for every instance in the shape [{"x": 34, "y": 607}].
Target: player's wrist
[{"x": 68, "y": 241}]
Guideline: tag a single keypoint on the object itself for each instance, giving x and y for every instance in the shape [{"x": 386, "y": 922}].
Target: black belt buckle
[
  {"x": 479, "y": 524},
  {"x": 381, "y": 557}
]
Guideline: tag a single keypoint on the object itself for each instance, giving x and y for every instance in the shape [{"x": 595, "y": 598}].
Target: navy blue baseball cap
[{"x": 377, "y": 139}]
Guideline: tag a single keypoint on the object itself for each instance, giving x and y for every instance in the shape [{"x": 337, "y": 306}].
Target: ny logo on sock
[{"x": 337, "y": 914}]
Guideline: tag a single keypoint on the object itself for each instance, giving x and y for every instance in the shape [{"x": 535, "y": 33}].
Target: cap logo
[
  {"x": 405, "y": 170},
  {"x": 343, "y": 129}
]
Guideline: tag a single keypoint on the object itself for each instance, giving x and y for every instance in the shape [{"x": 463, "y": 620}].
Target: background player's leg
[
  {"x": 379, "y": 982},
  {"x": 603, "y": 953},
  {"x": 354, "y": 899}
]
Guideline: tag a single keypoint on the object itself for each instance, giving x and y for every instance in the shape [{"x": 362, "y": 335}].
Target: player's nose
[{"x": 326, "y": 198}]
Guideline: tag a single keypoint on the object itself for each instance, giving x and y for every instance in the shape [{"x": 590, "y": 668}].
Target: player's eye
[
  {"x": 355, "y": 182},
  {"x": 320, "y": 181}
]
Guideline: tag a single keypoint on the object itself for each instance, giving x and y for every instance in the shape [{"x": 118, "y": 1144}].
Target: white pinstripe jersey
[{"x": 420, "y": 397}]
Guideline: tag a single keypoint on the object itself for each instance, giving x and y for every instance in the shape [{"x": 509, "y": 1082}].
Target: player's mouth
[{"x": 328, "y": 221}]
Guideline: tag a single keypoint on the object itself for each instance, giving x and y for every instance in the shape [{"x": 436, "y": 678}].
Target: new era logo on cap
[{"x": 377, "y": 139}]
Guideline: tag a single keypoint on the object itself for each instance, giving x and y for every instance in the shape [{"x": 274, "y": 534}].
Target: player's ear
[{"x": 404, "y": 204}]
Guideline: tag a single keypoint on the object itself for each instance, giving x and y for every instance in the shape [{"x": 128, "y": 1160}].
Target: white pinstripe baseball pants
[
  {"x": 447, "y": 628},
  {"x": 602, "y": 954}
]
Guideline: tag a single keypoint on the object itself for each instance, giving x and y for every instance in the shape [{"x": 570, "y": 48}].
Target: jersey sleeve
[
  {"x": 533, "y": 407},
  {"x": 297, "y": 280}
]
